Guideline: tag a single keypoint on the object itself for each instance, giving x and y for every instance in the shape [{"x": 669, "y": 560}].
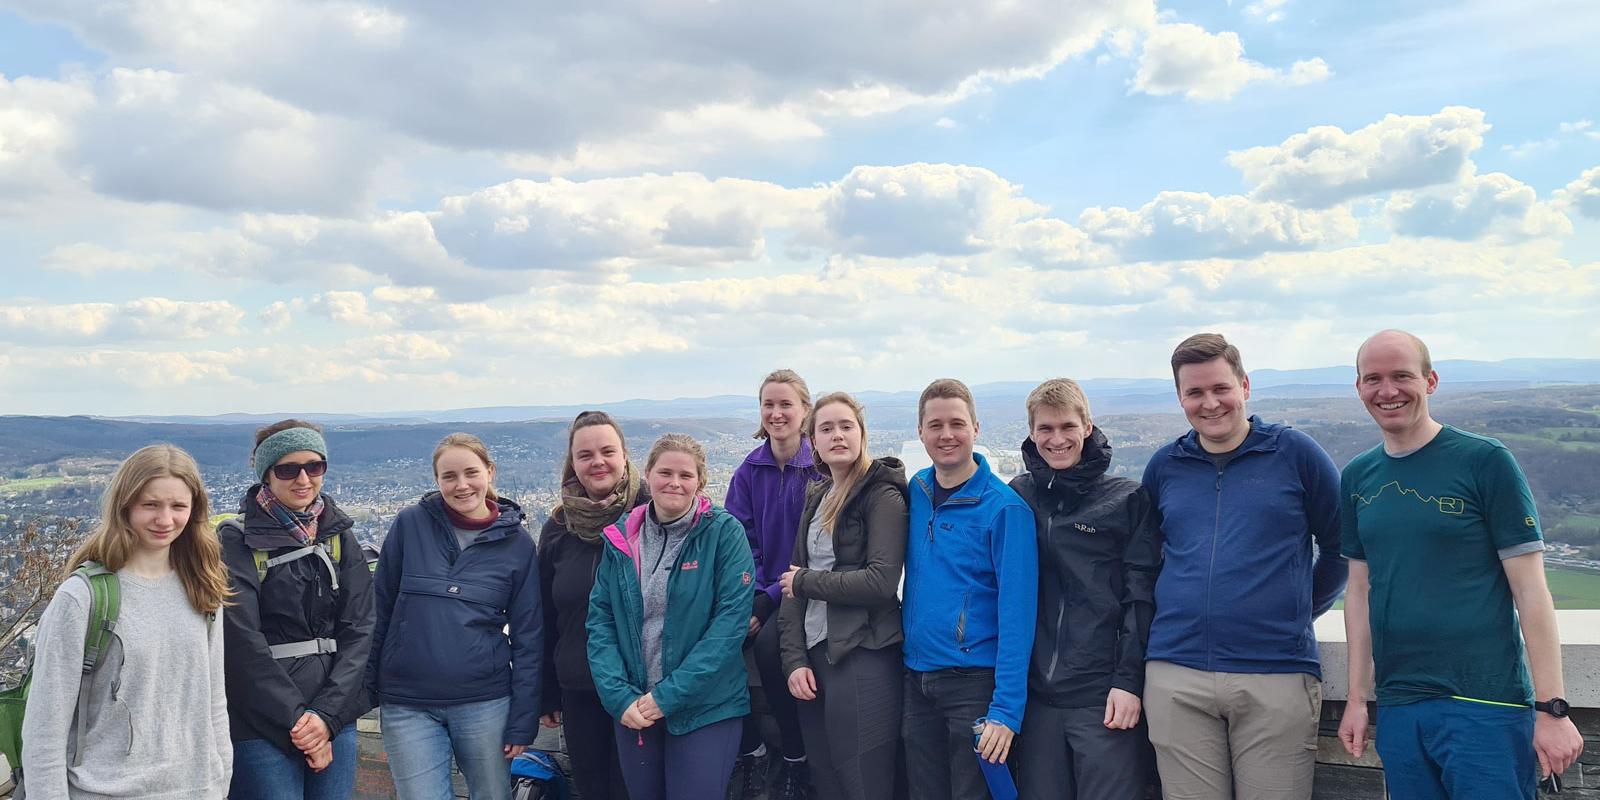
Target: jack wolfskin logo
[
  {"x": 1083, "y": 528},
  {"x": 690, "y": 564}
]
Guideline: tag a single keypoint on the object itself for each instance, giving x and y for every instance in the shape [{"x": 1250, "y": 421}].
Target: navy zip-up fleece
[
  {"x": 443, "y": 612},
  {"x": 1238, "y": 589},
  {"x": 965, "y": 561}
]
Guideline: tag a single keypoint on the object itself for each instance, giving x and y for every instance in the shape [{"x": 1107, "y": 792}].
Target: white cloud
[
  {"x": 1495, "y": 205},
  {"x": 152, "y": 318},
  {"x": 906, "y": 210},
  {"x": 1266, "y": 10},
  {"x": 549, "y": 80},
  {"x": 1325, "y": 165},
  {"x": 1583, "y": 193},
  {"x": 946, "y": 123},
  {"x": 1192, "y": 225},
  {"x": 35, "y": 123},
  {"x": 162, "y": 136},
  {"x": 1180, "y": 58}
]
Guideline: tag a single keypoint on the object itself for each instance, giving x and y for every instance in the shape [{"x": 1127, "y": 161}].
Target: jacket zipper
[
  {"x": 1211, "y": 569},
  {"x": 961, "y": 619}
]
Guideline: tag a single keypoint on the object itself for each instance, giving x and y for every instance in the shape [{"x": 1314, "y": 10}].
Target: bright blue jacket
[
  {"x": 965, "y": 561},
  {"x": 1238, "y": 588},
  {"x": 442, "y": 614}
]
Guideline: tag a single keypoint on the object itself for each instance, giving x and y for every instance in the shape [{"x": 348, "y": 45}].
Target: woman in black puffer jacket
[{"x": 598, "y": 487}]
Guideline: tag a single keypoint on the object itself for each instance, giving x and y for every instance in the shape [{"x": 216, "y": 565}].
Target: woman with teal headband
[{"x": 298, "y": 638}]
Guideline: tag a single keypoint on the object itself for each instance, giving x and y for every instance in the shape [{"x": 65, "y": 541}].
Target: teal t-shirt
[{"x": 1433, "y": 527}]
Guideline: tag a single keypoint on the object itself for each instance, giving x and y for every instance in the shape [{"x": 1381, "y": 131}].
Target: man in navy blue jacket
[
  {"x": 1233, "y": 684},
  {"x": 971, "y": 552}
]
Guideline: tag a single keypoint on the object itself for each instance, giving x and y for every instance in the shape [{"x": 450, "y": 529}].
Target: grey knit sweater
[
  {"x": 163, "y": 734},
  {"x": 659, "y": 552}
]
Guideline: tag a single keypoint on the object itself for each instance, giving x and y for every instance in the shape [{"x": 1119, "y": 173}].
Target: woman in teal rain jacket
[{"x": 667, "y": 617}]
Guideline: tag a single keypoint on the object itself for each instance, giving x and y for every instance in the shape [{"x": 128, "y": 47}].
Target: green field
[
  {"x": 30, "y": 485},
  {"x": 1574, "y": 588}
]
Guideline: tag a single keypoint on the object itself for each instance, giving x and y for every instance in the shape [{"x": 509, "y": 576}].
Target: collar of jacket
[
  {"x": 969, "y": 491},
  {"x": 262, "y": 531},
  {"x": 508, "y": 523},
  {"x": 1263, "y": 438},
  {"x": 763, "y": 455},
  {"x": 625, "y": 537},
  {"x": 1093, "y": 462}
]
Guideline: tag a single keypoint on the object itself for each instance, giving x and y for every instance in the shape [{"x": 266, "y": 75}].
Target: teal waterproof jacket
[{"x": 709, "y": 600}]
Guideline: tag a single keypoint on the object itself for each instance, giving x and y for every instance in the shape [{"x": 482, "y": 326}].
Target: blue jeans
[
  {"x": 1447, "y": 749},
  {"x": 940, "y": 707},
  {"x": 263, "y": 772},
  {"x": 420, "y": 741}
]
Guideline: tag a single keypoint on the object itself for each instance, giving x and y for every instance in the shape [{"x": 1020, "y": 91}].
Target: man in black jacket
[{"x": 1098, "y": 558}]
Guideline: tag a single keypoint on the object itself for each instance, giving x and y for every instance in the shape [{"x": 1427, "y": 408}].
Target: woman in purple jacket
[{"x": 767, "y": 494}]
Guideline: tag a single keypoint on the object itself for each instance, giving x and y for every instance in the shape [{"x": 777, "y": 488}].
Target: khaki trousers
[{"x": 1232, "y": 736}]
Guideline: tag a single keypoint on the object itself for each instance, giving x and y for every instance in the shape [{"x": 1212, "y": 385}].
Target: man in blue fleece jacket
[
  {"x": 971, "y": 552},
  {"x": 1232, "y": 680}
]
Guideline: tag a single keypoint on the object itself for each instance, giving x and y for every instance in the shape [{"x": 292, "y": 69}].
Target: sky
[{"x": 318, "y": 205}]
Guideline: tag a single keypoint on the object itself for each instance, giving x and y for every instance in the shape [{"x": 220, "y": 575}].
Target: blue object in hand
[{"x": 997, "y": 776}]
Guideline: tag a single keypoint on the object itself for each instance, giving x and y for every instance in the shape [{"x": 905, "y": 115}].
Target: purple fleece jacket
[{"x": 768, "y": 502}]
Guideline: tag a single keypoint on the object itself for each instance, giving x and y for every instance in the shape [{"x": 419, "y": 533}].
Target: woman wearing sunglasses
[{"x": 297, "y": 638}]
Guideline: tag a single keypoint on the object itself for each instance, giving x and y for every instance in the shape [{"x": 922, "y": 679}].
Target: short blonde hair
[
  {"x": 946, "y": 389},
  {"x": 679, "y": 443},
  {"x": 1059, "y": 393}
]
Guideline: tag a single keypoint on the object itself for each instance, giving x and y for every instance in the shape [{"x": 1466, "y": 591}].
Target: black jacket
[
  {"x": 1099, "y": 553},
  {"x": 297, "y": 602},
  {"x": 567, "y": 566},
  {"x": 862, "y": 589}
]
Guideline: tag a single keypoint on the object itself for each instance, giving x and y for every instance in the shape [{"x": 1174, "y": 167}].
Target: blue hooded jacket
[
  {"x": 974, "y": 555},
  {"x": 442, "y": 614},
  {"x": 1238, "y": 588}
]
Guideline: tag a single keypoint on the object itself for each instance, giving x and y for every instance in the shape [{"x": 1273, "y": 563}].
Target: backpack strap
[
  {"x": 105, "y": 601},
  {"x": 264, "y": 562}
]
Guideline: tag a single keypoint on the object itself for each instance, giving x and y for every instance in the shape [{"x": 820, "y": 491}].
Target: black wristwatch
[{"x": 1556, "y": 707}]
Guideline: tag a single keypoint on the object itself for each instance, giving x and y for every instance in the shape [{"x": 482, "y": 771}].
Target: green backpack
[{"x": 105, "y": 601}]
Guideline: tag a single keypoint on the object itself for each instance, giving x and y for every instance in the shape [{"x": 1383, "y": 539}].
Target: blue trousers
[
  {"x": 657, "y": 765},
  {"x": 1448, "y": 749},
  {"x": 263, "y": 772},
  {"x": 421, "y": 740}
]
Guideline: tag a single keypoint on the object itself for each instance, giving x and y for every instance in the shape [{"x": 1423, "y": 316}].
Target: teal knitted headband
[{"x": 290, "y": 440}]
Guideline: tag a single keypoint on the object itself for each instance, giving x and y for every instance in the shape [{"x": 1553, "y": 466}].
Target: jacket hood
[
  {"x": 1263, "y": 436},
  {"x": 1092, "y": 463},
  {"x": 624, "y": 533},
  {"x": 509, "y": 522},
  {"x": 762, "y": 455},
  {"x": 263, "y": 532},
  {"x": 888, "y": 470}
]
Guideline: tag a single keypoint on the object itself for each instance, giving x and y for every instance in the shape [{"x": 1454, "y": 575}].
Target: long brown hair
[
  {"x": 472, "y": 444},
  {"x": 196, "y": 555},
  {"x": 841, "y": 489}
]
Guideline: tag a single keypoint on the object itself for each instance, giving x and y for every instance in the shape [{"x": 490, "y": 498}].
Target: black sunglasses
[{"x": 288, "y": 472}]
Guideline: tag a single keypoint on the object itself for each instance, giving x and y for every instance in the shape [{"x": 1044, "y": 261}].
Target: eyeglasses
[{"x": 289, "y": 472}]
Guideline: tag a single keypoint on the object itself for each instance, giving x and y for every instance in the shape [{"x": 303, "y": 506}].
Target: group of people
[{"x": 913, "y": 635}]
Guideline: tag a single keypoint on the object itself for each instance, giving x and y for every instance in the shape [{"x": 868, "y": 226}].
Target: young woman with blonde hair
[
  {"x": 667, "y": 616},
  {"x": 840, "y": 619},
  {"x": 457, "y": 572},
  {"x": 163, "y": 665},
  {"x": 767, "y": 493},
  {"x": 299, "y": 639}
]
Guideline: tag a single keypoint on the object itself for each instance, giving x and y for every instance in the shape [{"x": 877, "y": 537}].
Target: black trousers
[
  {"x": 591, "y": 746},
  {"x": 775, "y": 685},
  {"x": 853, "y": 726},
  {"x": 940, "y": 707},
  {"x": 1069, "y": 754}
]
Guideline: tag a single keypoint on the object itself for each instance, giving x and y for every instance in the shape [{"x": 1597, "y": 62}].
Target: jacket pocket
[
  {"x": 961, "y": 620},
  {"x": 448, "y": 641}
]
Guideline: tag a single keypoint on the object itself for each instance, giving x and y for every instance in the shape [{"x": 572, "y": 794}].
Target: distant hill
[{"x": 998, "y": 402}]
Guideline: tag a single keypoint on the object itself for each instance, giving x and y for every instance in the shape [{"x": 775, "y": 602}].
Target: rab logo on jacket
[
  {"x": 690, "y": 564},
  {"x": 1083, "y": 528}
]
